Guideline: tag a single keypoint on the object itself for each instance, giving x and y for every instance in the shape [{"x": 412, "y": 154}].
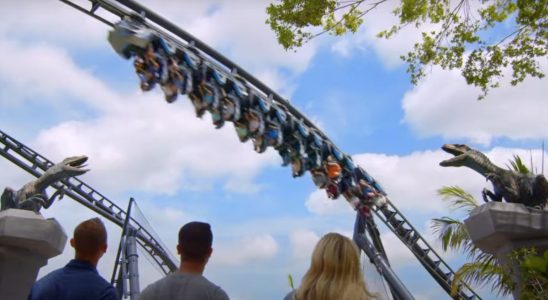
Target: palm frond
[
  {"x": 483, "y": 271},
  {"x": 518, "y": 166},
  {"x": 458, "y": 198},
  {"x": 452, "y": 233}
]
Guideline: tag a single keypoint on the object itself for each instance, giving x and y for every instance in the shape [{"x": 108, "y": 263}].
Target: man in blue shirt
[{"x": 79, "y": 278}]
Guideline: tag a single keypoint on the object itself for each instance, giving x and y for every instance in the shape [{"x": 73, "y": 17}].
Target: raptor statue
[
  {"x": 33, "y": 196},
  {"x": 528, "y": 189}
]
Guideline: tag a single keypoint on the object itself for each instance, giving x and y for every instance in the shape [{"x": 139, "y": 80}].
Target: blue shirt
[{"x": 77, "y": 280}]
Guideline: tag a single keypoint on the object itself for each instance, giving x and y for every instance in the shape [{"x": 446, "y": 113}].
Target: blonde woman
[{"x": 334, "y": 272}]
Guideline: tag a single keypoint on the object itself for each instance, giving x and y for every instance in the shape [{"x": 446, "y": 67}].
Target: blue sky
[{"x": 63, "y": 91}]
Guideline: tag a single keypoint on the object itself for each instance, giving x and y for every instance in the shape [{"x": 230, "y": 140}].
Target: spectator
[
  {"x": 195, "y": 239},
  {"x": 334, "y": 273},
  {"x": 79, "y": 278}
]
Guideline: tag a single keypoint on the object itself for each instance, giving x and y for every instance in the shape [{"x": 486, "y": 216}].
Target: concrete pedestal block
[
  {"x": 27, "y": 241},
  {"x": 499, "y": 228}
]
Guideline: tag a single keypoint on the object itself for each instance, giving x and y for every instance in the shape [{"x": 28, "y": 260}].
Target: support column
[
  {"x": 27, "y": 241},
  {"x": 499, "y": 228}
]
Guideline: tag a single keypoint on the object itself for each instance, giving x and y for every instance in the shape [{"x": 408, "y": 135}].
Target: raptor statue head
[
  {"x": 70, "y": 166},
  {"x": 460, "y": 152}
]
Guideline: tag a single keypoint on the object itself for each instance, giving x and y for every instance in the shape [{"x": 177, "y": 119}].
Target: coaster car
[
  {"x": 362, "y": 174},
  {"x": 145, "y": 73},
  {"x": 130, "y": 37},
  {"x": 379, "y": 188},
  {"x": 319, "y": 178},
  {"x": 231, "y": 108},
  {"x": 325, "y": 151},
  {"x": 348, "y": 164},
  {"x": 242, "y": 130},
  {"x": 156, "y": 64},
  {"x": 278, "y": 114},
  {"x": 347, "y": 185},
  {"x": 189, "y": 63},
  {"x": 298, "y": 166},
  {"x": 191, "y": 59},
  {"x": 336, "y": 153},
  {"x": 314, "y": 159},
  {"x": 231, "y": 103},
  {"x": 259, "y": 102},
  {"x": 174, "y": 82},
  {"x": 208, "y": 94},
  {"x": 255, "y": 122},
  {"x": 187, "y": 83},
  {"x": 285, "y": 153},
  {"x": 273, "y": 135},
  {"x": 314, "y": 140},
  {"x": 333, "y": 169},
  {"x": 217, "y": 118},
  {"x": 301, "y": 130},
  {"x": 260, "y": 144},
  {"x": 313, "y": 150},
  {"x": 332, "y": 190}
]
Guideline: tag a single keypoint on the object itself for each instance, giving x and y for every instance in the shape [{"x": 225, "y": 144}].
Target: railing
[{"x": 36, "y": 165}]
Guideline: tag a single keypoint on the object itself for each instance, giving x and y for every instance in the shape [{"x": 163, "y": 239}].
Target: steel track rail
[
  {"x": 390, "y": 215},
  {"x": 427, "y": 256},
  {"x": 36, "y": 164}
]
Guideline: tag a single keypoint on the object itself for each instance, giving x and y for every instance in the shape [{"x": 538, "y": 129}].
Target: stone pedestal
[
  {"x": 499, "y": 228},
  {"x": 27, "y": 241}
]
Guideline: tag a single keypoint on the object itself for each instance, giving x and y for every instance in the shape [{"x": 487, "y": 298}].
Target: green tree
[
  {"x": 463, "y": 38},
  {"x": 534, "y": 274}
]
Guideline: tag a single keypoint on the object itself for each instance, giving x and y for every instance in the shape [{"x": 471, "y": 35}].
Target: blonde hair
[{"x": 334, "y": 272}]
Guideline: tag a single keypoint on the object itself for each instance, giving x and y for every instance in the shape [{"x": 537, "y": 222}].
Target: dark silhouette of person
[
  {"x": 79, "y": 279},
  {"x": 194, "y": 247}
]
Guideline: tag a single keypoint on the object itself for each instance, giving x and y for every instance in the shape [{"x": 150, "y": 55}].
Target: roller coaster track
[{"x": 35, "y": 164}]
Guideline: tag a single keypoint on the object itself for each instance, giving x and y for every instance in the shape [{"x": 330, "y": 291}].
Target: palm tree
[{"x": 481, "y": 268}]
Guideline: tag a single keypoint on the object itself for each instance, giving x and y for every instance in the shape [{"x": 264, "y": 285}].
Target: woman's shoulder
[{"x": 289, "y": 295}]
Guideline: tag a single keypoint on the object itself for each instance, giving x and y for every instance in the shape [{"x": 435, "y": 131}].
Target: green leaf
[
  {"x": 463, "y": 40},
  {"x": 290, "y": 279}
]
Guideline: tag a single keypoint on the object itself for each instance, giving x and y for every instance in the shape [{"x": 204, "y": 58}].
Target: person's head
[
  {"x": 334, "y": 272},
  {"x": 195, "y": 240},
  {"x": 90, "y": 240}
]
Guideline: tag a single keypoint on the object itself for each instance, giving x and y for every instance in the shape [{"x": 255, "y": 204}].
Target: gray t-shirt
[
  {"x": 186, "y": 286},
  {"x": 290, "y": 295}
]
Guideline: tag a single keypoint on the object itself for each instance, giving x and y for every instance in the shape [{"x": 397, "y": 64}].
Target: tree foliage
[
  {"x": 534, "y": 274},
  {"x": 481, "y": 38},
  {"x": 481, "y": 268}
]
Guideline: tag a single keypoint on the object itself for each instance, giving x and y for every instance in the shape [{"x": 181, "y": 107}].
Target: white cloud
[
  {"x": 319, "y": 204},
  {"x": 303, "y": 242},
  {"x": 12, "y": 176},
  {"x": 246, "y": 250},
  {"x": 442, "y": 104},
  {"x": 53, "y": 21},
  {"x": 48, "y": 73},
  {"x": 153, "y": 146}
]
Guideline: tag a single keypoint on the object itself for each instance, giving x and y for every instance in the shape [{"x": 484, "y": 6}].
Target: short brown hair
[
  {"x": 195, "y": 240},
  {"x": 90, "y": 236}
]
